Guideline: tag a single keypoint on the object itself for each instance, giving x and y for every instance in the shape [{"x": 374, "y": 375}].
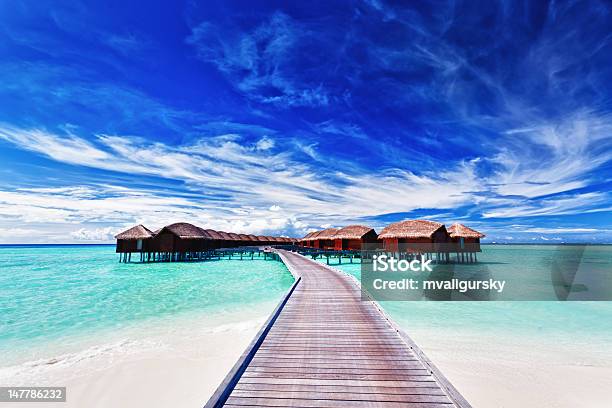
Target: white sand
[
  {"x": 181, "y": 368},
  {"x": 162, "y": 379},
  {"x": 522, "y": 372}
]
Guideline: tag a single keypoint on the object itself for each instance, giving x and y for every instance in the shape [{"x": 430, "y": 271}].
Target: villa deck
[{"x": 325, "y": 347}]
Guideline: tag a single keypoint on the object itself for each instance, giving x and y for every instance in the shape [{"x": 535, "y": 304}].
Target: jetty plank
[{"x": 324, "y": 346}]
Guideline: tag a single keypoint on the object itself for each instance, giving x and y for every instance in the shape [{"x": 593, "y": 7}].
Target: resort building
[
  {"x": 262, "y": 240},
  {"x": 419, "y": 236},
  {"x": 181, "y": 237},
  {"x": 136, "y": 239},
  {"x": 352, "y": 237},
  {"x": 308, "y": 239},
  {"x": 465, "y": 239},
  {"x": 325, "y": 239},
  {"x": 184, "y": 241},
  {"x": 218, "y": 238}
]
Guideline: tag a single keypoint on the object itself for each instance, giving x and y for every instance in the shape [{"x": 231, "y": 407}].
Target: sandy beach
[
  {"x": 521, "y": 371},
  {"x": 175, "y": 366},
  {"x": 183, "y": 371}
]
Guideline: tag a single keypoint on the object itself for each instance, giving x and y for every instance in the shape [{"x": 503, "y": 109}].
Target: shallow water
[
  {"x": 63, "y": 294},
  {"x": 56, "y": 299},
  {"x": 571, "y": 324}
]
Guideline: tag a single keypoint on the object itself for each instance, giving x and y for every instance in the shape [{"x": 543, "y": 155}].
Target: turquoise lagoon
[
  {"x": 58, "y": 295},
  {"x": 573, "y": 326},
  {"x": 52, "y": 295}
]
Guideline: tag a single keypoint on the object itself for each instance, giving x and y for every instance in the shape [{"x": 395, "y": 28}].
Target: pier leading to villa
[{"x": 325, "y": 347}]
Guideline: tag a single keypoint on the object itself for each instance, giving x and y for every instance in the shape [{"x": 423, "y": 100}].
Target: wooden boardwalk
[{"x": 325, "y": 347}]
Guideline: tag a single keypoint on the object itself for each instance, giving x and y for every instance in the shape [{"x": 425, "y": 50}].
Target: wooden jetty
[{"x": 323, "y": 346}]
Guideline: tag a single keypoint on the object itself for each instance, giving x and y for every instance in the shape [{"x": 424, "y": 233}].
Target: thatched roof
[
  {"x": 244, "y": 237},
  {"x": 352, "y": 232},
  {"x": 411, "y": 229},
  {"x": 136, "y": 232},
  {"x": 262, "y": 238},
  {"x": 214, "y": 234},
  {"x": 253, "y": 238},
  {"x": 185, "y": 230},
  {"x": 327, "y": 233},
  {"x": 308, "y": 236},
  {"x": 269, "y": 238},
  {"x": 461, "y": 231},
  {"x": 224, "y": 236},
  {"x": 234, "y": 237}
]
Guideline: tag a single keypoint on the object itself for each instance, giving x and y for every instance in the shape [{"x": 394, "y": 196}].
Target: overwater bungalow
[
  {"x": 135, "y": 239},
  {"x": 271, "y": 240},
  {"x": 253, "y": 239},
  {"x": 228, "y": 241},
  {"x": 218, "y": 239},
  {"x": 306, "y": 241},
  {"x": 184, "y": 241},
  {"x": 181, "y": 237},
  {"x": 234, "y": 239},
  {"x": 419, "y": 236},
  {"x": 352, "y": 237},
  {"x": 245, "y": 240},
  {"x": 465, "y": 239},
  {"x": 262, "y": 240},
  {"x": 325, "y": 239}
]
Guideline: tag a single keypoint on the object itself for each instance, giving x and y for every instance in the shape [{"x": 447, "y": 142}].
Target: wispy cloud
[
  {"x": 238, "y": 175},
  {"x": 259, "y": 62},
  {"x": 287, "y": 119}
]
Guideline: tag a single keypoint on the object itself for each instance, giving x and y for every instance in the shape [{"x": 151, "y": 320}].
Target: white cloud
[
  {"x": 265, "y": 143},
  {"x": 249, "y": 185},
  {"x": 569, "y": 204},
  {"x": 98, "y": 234},
  {"x": 563, "y": 230},
  {"x": 549, "y": 157}
]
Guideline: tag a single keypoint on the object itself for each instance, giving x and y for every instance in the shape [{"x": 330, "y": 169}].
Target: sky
[{"x": 279, "y": 118}]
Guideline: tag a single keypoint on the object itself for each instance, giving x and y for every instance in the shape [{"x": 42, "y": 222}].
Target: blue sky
[{"x": 278, "y": 118}]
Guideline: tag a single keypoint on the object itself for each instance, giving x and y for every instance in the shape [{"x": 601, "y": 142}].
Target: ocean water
[
  {"x": 566, "y": 325},
  {"x": 53, "y": 299}
]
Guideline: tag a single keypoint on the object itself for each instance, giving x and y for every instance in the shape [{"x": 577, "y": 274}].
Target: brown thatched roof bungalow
[
  {"x": 134, "y": 239},
  {"x": 352, "y": 237},
  {"x": 245, "y": 239},
  {"x": 183, "y": 241},
  {"x": 214, "y": 234},
  {"x": 414, "y": 236},
  {"x": 306, "y": 241},
  {"x": 181, "y": 237},
  {"x": 262, "y": 239},
  {"x": 465, "y": 239},
  {"x": 325, "y": 239},
  {"x": 218, "y": 238}
]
